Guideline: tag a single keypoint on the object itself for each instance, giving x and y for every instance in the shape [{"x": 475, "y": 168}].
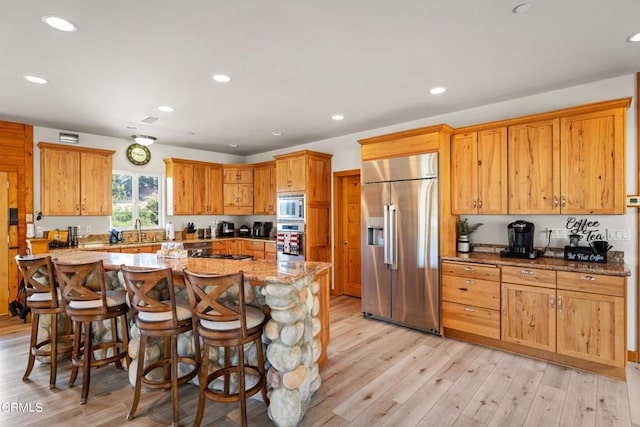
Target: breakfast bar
[{"x": 296, "y": 295}]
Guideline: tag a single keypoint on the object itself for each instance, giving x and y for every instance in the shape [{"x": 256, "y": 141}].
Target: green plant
[{"x": 463, "y": 227}]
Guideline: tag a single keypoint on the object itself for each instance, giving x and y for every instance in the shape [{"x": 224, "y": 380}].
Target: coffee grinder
[{"x": 520, "y": 235}]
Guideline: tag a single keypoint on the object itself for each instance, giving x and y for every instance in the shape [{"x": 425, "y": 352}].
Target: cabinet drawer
[
  {"x": 137, "y": 250},
  {"x": 467, "y": 269},
  {"x": 591, "y": 283},
  {"x": 472, "y": 319},
  {"x": 464, "y": 290},
  {"x": 270, "y": 247},
  {"x": 529, "y": 276},
  {"x": 253, "y": 246},
  {"x": 220, "y": 245}
]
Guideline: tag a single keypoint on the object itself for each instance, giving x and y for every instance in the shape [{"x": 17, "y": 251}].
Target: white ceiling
[{"x": 295, "y": 63}]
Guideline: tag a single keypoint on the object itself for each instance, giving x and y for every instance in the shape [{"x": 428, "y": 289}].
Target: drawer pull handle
[
  {"x": 469, "y": 309},
  {"x": 468, "y": 282},
  {"x": 526, "y": 272},
  {"x": 551, "y": 301},
  {"x": 468, "y": 268},
  {"x": 464, "y": 289},
  {"x": 589, "y": 278}
]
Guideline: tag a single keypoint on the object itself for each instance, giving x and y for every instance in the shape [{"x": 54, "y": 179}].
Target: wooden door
[
  {"x": 60, "y": 182},
  {"x": 529, "y": 316},
  {"x": 350, "y": 244},
  {"x": 534, "y": 168},
  {"x": 591, "y": 327},
  {"x": 95, "y": 184},
  {"x": 4, "y": 243},
  {"x": 464, "y": 173},
  {"x": 592, "y": 163},
  {"x": 492, "y": 171}
]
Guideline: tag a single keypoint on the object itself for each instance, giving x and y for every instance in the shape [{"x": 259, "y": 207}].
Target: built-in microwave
[{"x": 290, "y": 207}]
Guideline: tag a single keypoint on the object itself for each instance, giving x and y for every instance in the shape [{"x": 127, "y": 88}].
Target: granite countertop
[
  {"x": 96, "y": 246},
  {"x": 545, "y": 263},
  {"x": 258, "y": 271}
]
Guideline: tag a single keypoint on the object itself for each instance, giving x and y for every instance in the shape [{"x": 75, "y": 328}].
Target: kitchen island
[{"x": 296, "y": 294}]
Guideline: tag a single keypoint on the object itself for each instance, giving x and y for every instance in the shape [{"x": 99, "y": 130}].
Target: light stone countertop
[
  {"x": 545, "y": 263},
  {"x": 259, "y": 271}
]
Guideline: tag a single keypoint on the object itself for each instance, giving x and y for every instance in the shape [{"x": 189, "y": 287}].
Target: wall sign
[{"x": 586, "y": 228}]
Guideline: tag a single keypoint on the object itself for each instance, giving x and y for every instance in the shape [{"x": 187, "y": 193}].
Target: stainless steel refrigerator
[{"x": 400, "y": 279}]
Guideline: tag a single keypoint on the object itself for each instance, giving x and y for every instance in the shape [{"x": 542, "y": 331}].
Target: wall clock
[{"x": 138, "y": 154}]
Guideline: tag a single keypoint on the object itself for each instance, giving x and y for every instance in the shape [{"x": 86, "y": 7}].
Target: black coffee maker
[{"x": 520, "y": 234}]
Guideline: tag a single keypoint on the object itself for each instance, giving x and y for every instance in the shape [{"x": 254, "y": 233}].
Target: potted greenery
[{"x": 463, "y": 232}]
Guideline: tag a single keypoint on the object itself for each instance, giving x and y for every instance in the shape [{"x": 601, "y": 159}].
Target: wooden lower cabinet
[
  {"x": 571, "y": 318},
  {"x": 255, "y": 249},
  {"x": 220, "y": 247},
  {"x": 270, "y": 250}
]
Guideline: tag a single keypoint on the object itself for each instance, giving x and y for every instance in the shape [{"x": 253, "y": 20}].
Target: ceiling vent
[
  {"x": 149, "y": 119},
  {"x": 69, "y": 138}
]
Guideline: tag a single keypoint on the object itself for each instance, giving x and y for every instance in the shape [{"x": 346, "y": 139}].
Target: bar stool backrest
[
  {"x": 82, "y": 282},
  {"x": 39, "y": 278},
  {"x": 151, "y": 291}
]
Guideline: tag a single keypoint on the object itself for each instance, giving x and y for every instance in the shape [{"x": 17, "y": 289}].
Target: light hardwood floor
[{"x": 377, "y": 375}]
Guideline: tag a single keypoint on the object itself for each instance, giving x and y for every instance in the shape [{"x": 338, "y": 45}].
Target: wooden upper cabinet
[
  {"x": 207, "y": 184},
  {"x": 179, "y": 186},
  {"x": 74, "y": 180},
  {"x": 291, "y": 173},
  {"x": 479, "y": 172},
  {"x": 238, "y": 189},
  {"x": 534, "y": 167},
  {"x": 264, "y": 188},
  {"x": 593, "y": 163}
]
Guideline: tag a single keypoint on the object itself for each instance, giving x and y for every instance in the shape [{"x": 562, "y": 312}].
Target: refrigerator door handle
[
  {"x": 393, "y": 237},
  {"x": 385, "y": 235}
]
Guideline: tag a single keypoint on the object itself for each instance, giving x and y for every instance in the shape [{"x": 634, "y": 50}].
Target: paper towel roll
[
  {"x": 171, "y": 232},
  {"x": 31, "y": 230}
]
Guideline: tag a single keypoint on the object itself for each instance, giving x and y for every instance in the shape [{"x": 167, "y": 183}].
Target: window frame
[{"x": 134, "y": 198}]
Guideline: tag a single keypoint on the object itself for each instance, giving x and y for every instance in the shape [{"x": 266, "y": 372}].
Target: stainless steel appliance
[
  {"x": 227, "y": 229},
  {"x": 400, "y": 278},
  {"x": 72, "y": 236},
  {"x": 290, "y": 241},
  {"x": 243, "y": 231},
  {"x": 261, "y": 229},
  {"x": 290, "y": 207},
  {"x": 520, "y": 234}
]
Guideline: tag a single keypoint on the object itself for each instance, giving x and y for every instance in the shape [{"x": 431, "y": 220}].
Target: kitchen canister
[{"x": 463, "y": 243}]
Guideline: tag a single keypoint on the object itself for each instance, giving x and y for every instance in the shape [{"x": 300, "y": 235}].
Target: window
[{"x": 136, "y": 196}]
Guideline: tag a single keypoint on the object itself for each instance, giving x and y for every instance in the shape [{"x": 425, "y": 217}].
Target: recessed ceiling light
[
  {"x": 36, "y": 79},
  {"x": 276, "y": 133},
  {"x": 337, "y": 117},
  {"x": 233, "y": 145},
  {"x": 634, "y": 38},
  {"x": 166, "y": 109},
  {"x": 438, "y": 90},
  {"x": 59, "y": 23},
  {"x": 522, "y": 8},
  {"x": 222, "y": 78}
]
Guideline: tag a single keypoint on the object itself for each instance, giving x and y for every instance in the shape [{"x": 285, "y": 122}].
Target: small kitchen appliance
[
  {"x": 290, "y": 207},
  {"x": 261, "y": 229},
  {"x": 243, "y": 231},
  {"x": 72, "y": 236},
  {"x": 227, "y": 229},
  {"x": 520, "y": 234}
]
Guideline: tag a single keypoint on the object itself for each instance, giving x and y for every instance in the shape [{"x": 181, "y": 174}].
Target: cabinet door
[
  {"x": 492, "y": 171},
  {"x": 529, "y": 316},
  {"x": 534, "y": 168},
  {"x": 291, "y": 174},
  {"x": 591, "y": 327},
  {"x": 95, "y": 184},
  {"x": 200, "y": 179},
  {"x": 180, "y": 189},
  {"x": 464, "y": 173},
  {"x": 593, "y": 163},
  {"x": 264, "y": 189},
  {"x": 214, "y": 190},
  {"x": 60, "y": 182}
]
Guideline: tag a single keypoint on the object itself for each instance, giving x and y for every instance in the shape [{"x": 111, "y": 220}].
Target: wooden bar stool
[
  {"x": 87, "y": 300},
  {"x": 158, "y": 313},
  {"x": 43, "y": 298},
  {"x": 228, "y": 325}
]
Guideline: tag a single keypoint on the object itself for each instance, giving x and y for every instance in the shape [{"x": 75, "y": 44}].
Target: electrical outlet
[
  {"x": 618, "y": 235},
  {"x": 88, "y": 228},
  {"x": 558, "y": 233}
]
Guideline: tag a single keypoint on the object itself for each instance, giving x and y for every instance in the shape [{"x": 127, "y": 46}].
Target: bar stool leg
[
  {"x": 32, "y": 344},
  {"x": 139, "y": 375},
  {"x": 75, "y": 355},
  {"x": 86, "y": 369},
  {"x": 241, "y": 385},
  {"x": 54, "y": 350},
  {"x": 262, "y": 371},
  {"x": 174, "y": 378},
  {"x": 202, "y": 379}
]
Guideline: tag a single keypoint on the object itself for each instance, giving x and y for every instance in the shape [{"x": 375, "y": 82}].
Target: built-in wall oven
[
  {"x": 290, "y": 207},
  {"x": 290, "y": 241}
]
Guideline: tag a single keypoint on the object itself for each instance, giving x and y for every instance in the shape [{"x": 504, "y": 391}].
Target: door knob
[{"x": 344, "y": 242}]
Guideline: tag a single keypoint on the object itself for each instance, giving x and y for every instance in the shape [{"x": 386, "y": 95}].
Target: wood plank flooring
[{"x": 377, "y": 374}]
